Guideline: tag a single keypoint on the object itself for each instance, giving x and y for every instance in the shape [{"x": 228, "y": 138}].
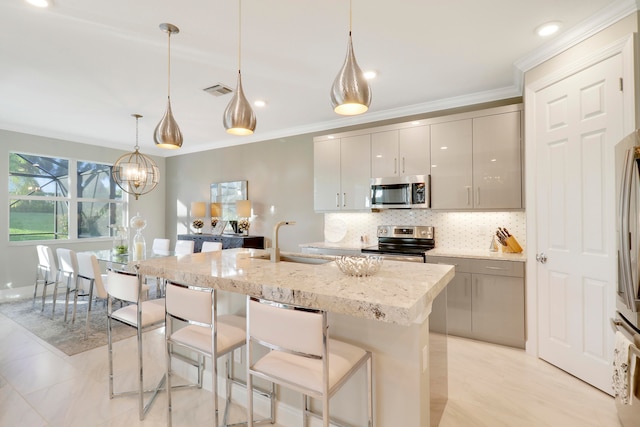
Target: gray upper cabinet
[
  {"x": 342, "y": 173},
  {"x": 474, "y": 159},
  {"x": 497, "y": 166},
  {"x": 451, "y": 165},
  {"x": 400, "y": 152},
  {"x": 476, "y": 162}
]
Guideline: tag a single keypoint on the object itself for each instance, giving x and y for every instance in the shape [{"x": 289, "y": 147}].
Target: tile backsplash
[{"x": 453, "y": 230}]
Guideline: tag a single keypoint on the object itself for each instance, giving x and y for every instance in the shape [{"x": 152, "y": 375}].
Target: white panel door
[{"x": 577, "y": 122}]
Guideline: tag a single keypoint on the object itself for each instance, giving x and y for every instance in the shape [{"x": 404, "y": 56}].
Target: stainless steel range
[{"x": 403, "y": 242}]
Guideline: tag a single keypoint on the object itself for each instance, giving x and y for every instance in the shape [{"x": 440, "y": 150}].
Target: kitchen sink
[{"x": 304, "y": 259}]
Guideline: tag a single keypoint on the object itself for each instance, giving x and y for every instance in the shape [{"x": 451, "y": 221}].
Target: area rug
[{"x": 66, "y": 336}]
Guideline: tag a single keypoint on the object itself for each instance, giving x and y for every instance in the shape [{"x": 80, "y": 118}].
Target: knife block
[{"x": 512, "y": 246}]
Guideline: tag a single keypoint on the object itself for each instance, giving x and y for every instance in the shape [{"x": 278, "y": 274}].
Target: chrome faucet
[{"x": 275, "y": 250}]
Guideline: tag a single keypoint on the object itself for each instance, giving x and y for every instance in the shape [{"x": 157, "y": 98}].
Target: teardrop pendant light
[
  {"x": 239, "y": 118},
  {"x": 350, "y": 93},
  {"x": 167, "y": 133}
]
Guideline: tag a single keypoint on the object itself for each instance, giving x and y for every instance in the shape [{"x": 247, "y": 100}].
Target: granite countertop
[
  {"x": 478, "y": 254},
  {"x": 448, "y": 252},
  {"x": 399, "y": 293}
]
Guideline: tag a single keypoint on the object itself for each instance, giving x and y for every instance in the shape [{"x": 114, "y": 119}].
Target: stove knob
[{"x": 423, "y": 232}]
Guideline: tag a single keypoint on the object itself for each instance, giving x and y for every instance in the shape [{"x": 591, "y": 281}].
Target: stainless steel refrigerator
[{"x": 627, "y": 319}]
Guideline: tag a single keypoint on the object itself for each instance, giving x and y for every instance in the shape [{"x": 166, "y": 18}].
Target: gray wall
[
  {"x": 280, "y": 187},
  {"x": 18, "y": 259}
]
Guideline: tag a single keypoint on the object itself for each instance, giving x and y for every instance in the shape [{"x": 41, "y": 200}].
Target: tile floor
[{"x": 489, "y": 385}]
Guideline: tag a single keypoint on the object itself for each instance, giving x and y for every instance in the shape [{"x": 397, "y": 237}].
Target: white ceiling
[{"x": 79, "y": 69}]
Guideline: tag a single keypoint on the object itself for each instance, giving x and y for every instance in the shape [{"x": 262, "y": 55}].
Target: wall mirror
[{"x": 227, "y": 193}]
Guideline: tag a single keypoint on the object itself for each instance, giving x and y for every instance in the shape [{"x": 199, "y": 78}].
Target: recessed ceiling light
[
  {"x": 371, "y": 74},
  {"x": 39, "y": 3},
  {"x": 415, "y": 123},
  {"x": 260, "y": 103},
  {"x": 549, "y": 28},
  {"x": 331, "y": 137},
  {"x": 444, "y": 147}
]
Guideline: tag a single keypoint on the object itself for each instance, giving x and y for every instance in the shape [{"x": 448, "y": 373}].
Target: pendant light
[
  {"x": 239, "y": 118},
  {"x": 167, "y": 133},
  {"x": 136, "y": 173},
  {"x": 350, "y": 93}
]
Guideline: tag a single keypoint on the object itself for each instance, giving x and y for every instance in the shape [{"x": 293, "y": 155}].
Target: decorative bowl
[{"x": 359, "y": 266}]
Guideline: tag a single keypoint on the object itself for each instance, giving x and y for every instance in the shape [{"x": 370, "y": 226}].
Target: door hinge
[{"x": 621, "y": 85}]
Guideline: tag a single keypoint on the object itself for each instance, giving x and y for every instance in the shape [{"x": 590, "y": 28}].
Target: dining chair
[
  {"x": 302, "y": 357},
  {"x": 201, "y": 330},
  {"x": 89, "y": 270},
  {"x": 68, "y": 268},
  {"x": 161, "y": 246},
  {"x": 211, "y": 246},
  {"x": 141, "y": 315},
  {"x": 184, "y": 247},
  {"x": 46, "y": 273}
]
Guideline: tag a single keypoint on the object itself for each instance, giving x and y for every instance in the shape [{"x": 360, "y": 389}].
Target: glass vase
[{"x": 139, "y": 246}]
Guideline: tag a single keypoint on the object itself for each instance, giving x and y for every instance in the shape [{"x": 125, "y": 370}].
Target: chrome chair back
[
  {"x": 203, "y": 332},
  {"x": 302, "y": 356},
  {"x": 141, "y": 315},
  {"x": 46, "y": 273},
  {"x": 211, "y": 246},
  {"x": 89, "y": 271},
  {"x": 184, "y": 247},
  {"x": 68, "y": 268}
]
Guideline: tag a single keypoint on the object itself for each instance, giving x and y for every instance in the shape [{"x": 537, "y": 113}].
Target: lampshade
[
  {"x": 350, "y": 93},
  {"x": 198, "y": 209},
  {"x": 216, "y": 210},
  {"x": 167, "y": 133},
  {"x": 134, "y": 172},
  {"x": 243, "y": 208},
  {"x": 239, "y": 118}
]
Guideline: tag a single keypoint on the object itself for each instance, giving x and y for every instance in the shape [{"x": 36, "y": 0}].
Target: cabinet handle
[
  {"x": 475, "y": 285},
  {"x": 395, "y": 165},
  {"x": 337, "y": 200},
  {"x": 344, "y": 200},
  {"x": 466, "y": 287},
  {"x": 468, "y": 196},
  {"x": 403, "y": 168},
  {"x": 495, "y": 268},
  {"x": 478, "y": 196}
]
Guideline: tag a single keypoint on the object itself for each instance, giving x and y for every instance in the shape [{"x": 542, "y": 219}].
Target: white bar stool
[
  {"x": 46, "y": 273},
  {"x": 302, "y": 356},
  {"x": 141, "y": 315},
  {"x": 206, "y": 334}
]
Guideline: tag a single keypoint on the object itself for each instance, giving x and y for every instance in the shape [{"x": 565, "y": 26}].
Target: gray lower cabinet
[
  {"x": 228, "y": 241},
  {"x": 485, "y": 300}
]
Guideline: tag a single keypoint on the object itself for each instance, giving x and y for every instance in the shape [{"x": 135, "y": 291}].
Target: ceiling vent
[{"x": 218, "y": 89}]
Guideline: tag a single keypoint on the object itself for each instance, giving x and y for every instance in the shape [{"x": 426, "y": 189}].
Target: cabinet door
[
  {"x": 451, "y": 165},
  {"x": 384, "y": 154},
  {"x": 414, "y": 151},
  {"x": 459, "y": 305},
  {"x": 326, "y": 175},
  {"x": 355, "y": 172},
  {"x": 497, "y": 171},
  {"x": 497, "y": 309}
]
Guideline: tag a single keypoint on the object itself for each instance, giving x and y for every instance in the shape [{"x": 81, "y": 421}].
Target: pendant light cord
[
  {"x": 349, "y": 18},
  {"x": 169, "y": 65},
  {"x": 137, "y": 147},
  {"x": 239, "y": 33}
]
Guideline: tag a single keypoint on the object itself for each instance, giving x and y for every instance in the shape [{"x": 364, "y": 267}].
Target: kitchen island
[{"x": 387, "y": 313}]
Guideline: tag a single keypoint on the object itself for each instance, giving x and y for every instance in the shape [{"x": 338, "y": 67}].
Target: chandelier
[{"x": 134, "y": 172}]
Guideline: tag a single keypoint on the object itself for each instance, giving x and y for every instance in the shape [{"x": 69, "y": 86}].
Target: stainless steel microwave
[{"x": 403, "y": 192}]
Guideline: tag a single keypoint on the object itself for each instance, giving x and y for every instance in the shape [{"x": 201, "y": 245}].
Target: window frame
[{"x": 72, "y": 200}]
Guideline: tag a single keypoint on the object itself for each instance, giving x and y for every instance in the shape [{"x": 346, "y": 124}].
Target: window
[{"x": 54, "y": 198}]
